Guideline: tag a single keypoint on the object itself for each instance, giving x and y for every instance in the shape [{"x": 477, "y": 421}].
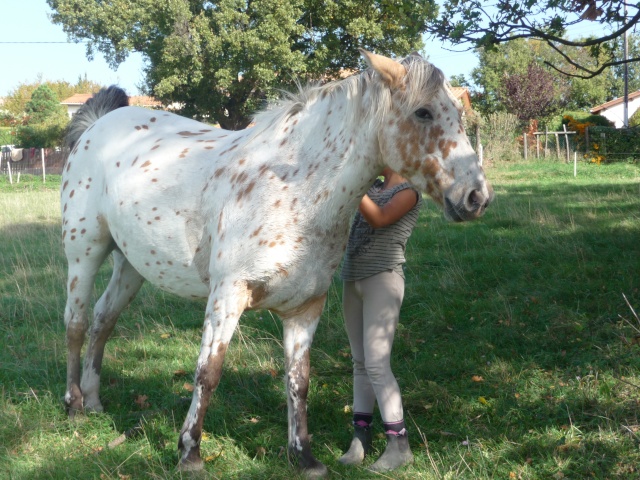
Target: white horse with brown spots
[{"x": 254, "y": 219}]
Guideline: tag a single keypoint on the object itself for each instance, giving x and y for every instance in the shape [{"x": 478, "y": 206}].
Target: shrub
[
  {"x": 634, "y": 121},
  {"x": 5, "y": 136},
  {"x": 614, "y": 143},
  {"x": 499, "y": 132},
  {"x": 40, "y": 136}
]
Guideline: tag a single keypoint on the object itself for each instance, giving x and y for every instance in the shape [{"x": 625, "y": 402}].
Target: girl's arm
[{"x": 391, "y": 212}]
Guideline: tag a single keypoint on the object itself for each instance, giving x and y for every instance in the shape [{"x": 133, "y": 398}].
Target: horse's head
[{"x": 421, "y": 135}]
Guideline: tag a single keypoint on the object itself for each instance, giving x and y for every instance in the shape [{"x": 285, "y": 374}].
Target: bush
[
  {"x": 40, "y": 136},
  {"x": 634, "y": 121},
  {"x": 5, "y": 136},
  {"x": 579, "y": 116},
  {"x": 499, "y": 132},
  {"x": 614, "y": 144}
]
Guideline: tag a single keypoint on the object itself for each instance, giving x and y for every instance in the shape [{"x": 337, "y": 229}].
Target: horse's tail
[{"x": 106, "y": 100}]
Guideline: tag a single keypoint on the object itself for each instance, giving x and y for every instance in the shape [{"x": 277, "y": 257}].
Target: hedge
[{"x": 614, "y": 144}]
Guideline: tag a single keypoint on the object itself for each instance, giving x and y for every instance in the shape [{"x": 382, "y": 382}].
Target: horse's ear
[{"x": 391, "y": 72}]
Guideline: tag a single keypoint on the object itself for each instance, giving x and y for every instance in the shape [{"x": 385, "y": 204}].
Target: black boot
[
  {"x": 360, "y": 446},
  {"x": 397, "y": 453}
]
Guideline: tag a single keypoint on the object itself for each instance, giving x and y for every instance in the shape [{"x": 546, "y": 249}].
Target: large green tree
[{"x": 221, "y": 59}]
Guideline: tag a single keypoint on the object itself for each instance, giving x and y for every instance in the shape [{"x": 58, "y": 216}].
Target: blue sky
[{"x": 27, "y": 21}]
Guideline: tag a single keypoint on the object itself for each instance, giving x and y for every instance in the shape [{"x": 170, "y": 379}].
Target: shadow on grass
[{"x": 527, "y": 300}]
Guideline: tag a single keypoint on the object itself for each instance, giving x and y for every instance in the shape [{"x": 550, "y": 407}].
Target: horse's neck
[{"x": 344, "y": 146}]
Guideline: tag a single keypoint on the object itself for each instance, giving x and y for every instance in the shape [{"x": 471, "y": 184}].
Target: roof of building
[
  {"x": 462, "y": 94},
  {"x": 138, "y": 100},
  {"x": 615, "y": 101}
]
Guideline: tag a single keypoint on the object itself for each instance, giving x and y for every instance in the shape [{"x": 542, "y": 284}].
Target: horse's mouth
[{"x": 471, "y": 209}]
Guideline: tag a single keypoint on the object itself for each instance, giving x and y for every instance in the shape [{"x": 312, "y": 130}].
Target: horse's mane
[
  {"x": 422, "y": 82},
  {"x": 106, "y": 100}
]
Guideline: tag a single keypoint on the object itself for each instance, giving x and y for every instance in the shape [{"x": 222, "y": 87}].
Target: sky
[{"x": 32, "y": 47}]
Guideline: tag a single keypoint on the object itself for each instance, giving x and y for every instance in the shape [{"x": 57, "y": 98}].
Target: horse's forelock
[{"x": 423, "y": 82}]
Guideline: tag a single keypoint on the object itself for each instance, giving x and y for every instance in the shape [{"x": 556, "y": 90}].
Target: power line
[{"x": 69, "y": 43}]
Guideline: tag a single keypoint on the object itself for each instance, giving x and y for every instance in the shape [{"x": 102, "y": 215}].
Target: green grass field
[{"x": 517, "y": 354}]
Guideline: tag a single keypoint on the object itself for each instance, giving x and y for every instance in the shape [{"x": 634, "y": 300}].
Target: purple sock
[
  {"x": 394, "y": 428},
  {"x": 363, "y": 420}
]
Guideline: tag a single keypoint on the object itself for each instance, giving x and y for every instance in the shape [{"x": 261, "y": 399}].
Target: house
[
  {"x": 463, "y": 96},
  {"x": 614, "y": 109},
  {"x": 74, "y": 102}
]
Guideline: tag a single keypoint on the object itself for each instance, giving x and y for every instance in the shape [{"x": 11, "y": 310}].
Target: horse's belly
[{"x": 160, "y": 241}]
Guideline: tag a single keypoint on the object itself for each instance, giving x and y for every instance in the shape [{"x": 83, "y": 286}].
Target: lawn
[{"x": 517, "y": 354}]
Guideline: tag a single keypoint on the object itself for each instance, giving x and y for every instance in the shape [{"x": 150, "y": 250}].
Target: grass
[{"x": 512, "y": 354}]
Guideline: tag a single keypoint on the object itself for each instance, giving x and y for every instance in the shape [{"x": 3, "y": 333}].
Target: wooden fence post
[
  {"x": 566, "y": 141},
  {"x": 546, "y": 140},
  {"x": 586, "y": 139},
  {"x": 43, "y": 173},
  {"x": 525, "y": 145}
]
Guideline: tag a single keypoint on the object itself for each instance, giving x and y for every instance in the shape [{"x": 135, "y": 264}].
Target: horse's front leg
[
  {"x": 223, "y": 312},
  {"x": 299, "y": 328}
]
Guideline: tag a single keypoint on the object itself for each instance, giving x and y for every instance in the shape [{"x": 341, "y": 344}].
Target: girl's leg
[
  {"x": 363, "y": 394},
  {"x": 381, "y": 311},
  {"x": 382, "y": 296},
  {"x": 364, "y": 397}
]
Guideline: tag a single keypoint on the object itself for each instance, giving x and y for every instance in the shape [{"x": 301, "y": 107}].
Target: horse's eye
[{"x": 423, "y": 114}]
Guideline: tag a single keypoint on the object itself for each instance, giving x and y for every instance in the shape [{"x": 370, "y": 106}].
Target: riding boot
[
  {"x": 397, "y": 453},
  {"x": 360, "y": 446}
]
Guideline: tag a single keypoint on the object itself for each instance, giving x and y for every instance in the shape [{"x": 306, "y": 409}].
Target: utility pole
[{"x": 626, "y": 74}]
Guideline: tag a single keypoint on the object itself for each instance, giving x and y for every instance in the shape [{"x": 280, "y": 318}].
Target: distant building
[
  {"x": 614, "y": 109},
  {"x": 463, "y": 96},
  {"x": 74, "y": 102}
]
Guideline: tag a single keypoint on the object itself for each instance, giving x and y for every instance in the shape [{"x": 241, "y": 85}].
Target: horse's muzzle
[{"x": 471, "y": 206}]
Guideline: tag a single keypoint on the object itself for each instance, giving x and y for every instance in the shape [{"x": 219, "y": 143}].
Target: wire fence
[{"x": 33, "y": 161}]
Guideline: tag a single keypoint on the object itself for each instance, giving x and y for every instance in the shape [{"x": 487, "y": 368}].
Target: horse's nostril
[{"x": 477, "y": 199}]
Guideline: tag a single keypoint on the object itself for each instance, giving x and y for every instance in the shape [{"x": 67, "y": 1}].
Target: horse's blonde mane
[{"x": 422, "y": 82}]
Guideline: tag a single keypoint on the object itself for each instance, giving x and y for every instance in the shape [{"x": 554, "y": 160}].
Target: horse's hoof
[
  {"x": 317, "y": 470},
  {"x": 94, "y": 408},
  {"x": 191, "y": 466}
]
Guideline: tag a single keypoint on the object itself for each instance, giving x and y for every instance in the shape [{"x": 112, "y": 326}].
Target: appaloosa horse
[{"x": 254, "y": 219}]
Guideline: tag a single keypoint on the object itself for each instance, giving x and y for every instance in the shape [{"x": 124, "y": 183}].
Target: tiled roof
[
  {"x": 141, "y": 100},
  {"x": 615, "y": 101}
]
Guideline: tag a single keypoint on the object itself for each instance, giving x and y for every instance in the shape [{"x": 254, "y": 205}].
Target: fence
[
  {"x": 33, "y": 161},
  {"x": 595, "y": 144}
]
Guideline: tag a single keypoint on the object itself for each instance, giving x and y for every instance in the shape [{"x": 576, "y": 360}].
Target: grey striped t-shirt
[{"x": 374, "y": 250}]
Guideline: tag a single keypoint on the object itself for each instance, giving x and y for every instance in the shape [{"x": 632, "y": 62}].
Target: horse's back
[{"x": 135, "y": 178}]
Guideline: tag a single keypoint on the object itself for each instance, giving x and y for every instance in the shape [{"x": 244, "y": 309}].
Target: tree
[
  {"x": 16, "y": 101},
  {"x": 480, "y": 25},
  {"x": 43, "y": 105},
  {"x": 514, "y": 57},
  {"x": 533, "y": 94},
  {"x": 222, "y": 59},
  {"x": 45, "y": 120}
]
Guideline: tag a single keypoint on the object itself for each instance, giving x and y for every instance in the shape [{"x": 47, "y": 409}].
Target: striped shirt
[{"x": 374, "y": 250}]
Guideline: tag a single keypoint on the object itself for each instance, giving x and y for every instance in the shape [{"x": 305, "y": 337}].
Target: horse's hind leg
[
  {"x": 82, "y": 270},
  {"x": 123, "y": 287}
]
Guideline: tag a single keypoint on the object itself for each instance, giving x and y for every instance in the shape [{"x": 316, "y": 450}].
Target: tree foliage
[
  {"x": 221, "y": 59},
  {"x": 16, "y": 101},
  {"x": 514, "y": 57},
  {"x": 44, "y": 122},
  {"x": 43, "y": 105},
  {"x": 478, "y": 24},
  {"x": 533, "y": 94}
]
